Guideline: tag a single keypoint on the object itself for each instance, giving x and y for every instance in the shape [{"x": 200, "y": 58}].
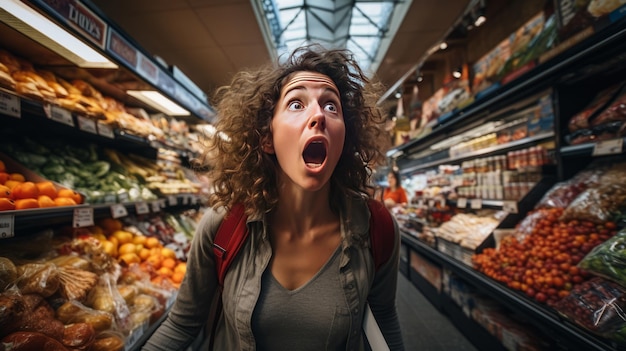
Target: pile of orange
[
  {"x": 18, "y": 193},
  {"x": 148, "y": 252}
]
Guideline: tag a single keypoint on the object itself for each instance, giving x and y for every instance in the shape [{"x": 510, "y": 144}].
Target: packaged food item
[{"x": 608, "y": 259}]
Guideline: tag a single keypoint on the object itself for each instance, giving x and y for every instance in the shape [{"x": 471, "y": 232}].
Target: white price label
[
  {"x": 608, "y": 147},
  {"x": 461, "y": 202},
  {"x": 172, "y": 200},
  {"x": 105, "y": 131},
  {"x": 509, "y": 206},
  {"x": 10, "y": 105},
  {"x": 142, "y": 208},
  {"x": 6, "y": 227},
  {"x": 59, "y": 114},
  {"x": 87, "y": 125},
  {"x": 155, "y": 206},
  {"x": 186, "y": 200},
  {"x": 476, "y": 204},
  {"x": 83, "y": 217},
  {"x": 162, "y": 203},
  {"x": 134, "y": 336},
  {"x": 118, "y": 211}
]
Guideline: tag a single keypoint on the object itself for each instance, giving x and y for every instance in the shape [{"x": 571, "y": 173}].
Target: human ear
[{"x": 267, "y": 145}]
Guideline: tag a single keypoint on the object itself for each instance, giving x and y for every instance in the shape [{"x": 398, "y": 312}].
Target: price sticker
[
  {"x": 10, "y": 105},
  {"x": 59, "y": 114},
  {"x": 105, "y": 131},
  {"x": 461, "y": 202},
  {"x": 134, "y": 336},
  {"x": 118, "y": 211},
  {"x": 608, "y": 147},
  {"x": 186, "y": 200},
  {"x": 6, "y": 227},
  {"x": 155, "y": 206},
  {"x": 509, "y": 206},
  {"x": 83, "y": 217},
  {"x": 142, "y": 208},
  {"x": 172, "y": 200},
  {"x": 476, "y": 204},
  {"x": 87, "y": 125},
  {"x": 162, "y": 203}
]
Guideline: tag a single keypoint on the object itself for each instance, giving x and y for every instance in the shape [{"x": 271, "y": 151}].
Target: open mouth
[{"x": 314, "y": 154}]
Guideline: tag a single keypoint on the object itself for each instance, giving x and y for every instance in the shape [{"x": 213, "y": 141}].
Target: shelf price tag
[
  {"x": 155, "y": 206},
  {"x": 59, "y": 114},
  {"x": 608, "y": 147},
  {"x": 461, "y": 202},
  {"x": 123, "y": 197},
  {"x": 87, "y": 125},
  {"x": 142, "y": 208},
  {"x": 109, "y": 198},
  {"x": 6, "y": 226},
  {"x": 83, "y": 217},
  {"x": 172, "y": 200},
  {"x": 186, "y": 200},
  {"x": 134, "y": 336},
  {"x": 105, "y": 131},
  {"x": 10, "y": 105},
  {"x": 476, "y": 204},
  {"x": 118, "y": 211},
  {"x": 194, "y": 199},
  {"x": 509, "y": 206},
  {"x": 162, "y": 203}
]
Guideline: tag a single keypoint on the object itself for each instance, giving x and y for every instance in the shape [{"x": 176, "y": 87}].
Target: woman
[
  {"x": 294, "y": 145},
  {"x": 394, "y": 194}
]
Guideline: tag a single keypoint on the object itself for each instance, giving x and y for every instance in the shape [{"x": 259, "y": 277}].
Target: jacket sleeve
[
  {"x": 382, "y": 297},
  {"x": 190, "y": 311}
]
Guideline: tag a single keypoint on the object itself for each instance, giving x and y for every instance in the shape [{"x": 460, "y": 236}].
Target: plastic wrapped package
[
  {"x": 597, "y": 205},
  {"x": 581, "y": 119},
  {"x": 597, "y": 305},
  {"x": 608, "y": 259},
  {"x": 562, "y": 194}
]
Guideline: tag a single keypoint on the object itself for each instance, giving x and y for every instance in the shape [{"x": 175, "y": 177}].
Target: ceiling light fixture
[
  {"x": 159, "y": 102},
  {"x": 443, "y": 46},
  {"x": 31, "y": 23},
  {"x": 457, "y": 73}
]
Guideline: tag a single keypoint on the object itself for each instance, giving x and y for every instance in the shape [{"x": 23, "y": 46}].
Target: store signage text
[{"x": 80, "y": 17}]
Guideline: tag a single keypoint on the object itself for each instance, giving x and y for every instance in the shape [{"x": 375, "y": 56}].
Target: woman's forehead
[{"x": 305, "y": 76}]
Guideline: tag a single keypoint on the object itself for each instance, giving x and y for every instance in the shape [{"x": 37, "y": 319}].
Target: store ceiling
[{"x": 210, "y": 40}]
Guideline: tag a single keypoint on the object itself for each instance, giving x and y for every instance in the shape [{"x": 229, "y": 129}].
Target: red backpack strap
[
  {"x": 382, "y": 236},
  {"x": 229, "y": 238}
]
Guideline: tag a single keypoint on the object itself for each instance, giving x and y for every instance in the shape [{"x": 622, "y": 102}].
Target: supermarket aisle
[{"x": 424, "y": 328}]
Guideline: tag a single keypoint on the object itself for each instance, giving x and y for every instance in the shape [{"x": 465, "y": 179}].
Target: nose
[{"x": 317, "y": 119}]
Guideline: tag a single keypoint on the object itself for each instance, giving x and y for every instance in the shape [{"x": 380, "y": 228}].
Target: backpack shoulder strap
[
  {"x": 229, "y": 238},
  {"x": 382, "y": 239}
]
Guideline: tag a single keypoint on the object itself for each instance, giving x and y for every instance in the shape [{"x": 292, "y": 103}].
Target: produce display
[{"x": 84, "y": 289}]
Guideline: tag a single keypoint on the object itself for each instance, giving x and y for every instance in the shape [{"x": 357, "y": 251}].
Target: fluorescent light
[
  {"x": 159, "y": 102},
  {"x": 39, "y": 28},
  {"x": 480, "y": 20}
]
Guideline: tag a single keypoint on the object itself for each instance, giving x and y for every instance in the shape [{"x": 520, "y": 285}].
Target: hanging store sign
[
  {"x": 121, "y": 49},
  {"x": 79, "y": 17}
]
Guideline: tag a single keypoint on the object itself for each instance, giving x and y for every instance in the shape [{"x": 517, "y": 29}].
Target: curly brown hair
[{"x": 239, "y": 169}]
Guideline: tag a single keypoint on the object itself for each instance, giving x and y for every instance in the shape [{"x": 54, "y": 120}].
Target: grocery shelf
[
  {"x": 592, "y": 149},
  {"x": 20, "y": 221},
  {"x": 561, "y": 330}
]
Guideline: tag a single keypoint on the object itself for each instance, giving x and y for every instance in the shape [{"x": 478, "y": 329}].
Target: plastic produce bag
[
  {"x": 597, "y": 205},
  {"x": 608, "y": 259},
  {"x": 598, "y": 305}
]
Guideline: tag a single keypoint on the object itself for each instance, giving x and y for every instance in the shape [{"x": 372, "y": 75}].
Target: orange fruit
[
  {"x": 168, "y": 253},
  {"x": 25, "y": 190},
  {"x": 110, "y": 248},
  {"x": 152, "y": 242},
  {"x": 177, "y": 277},
  {"x": 4, "y": 176},
  {"x": 47, "y": 188},
  {"x": 129, "y": 258},
  {"x": 154, "y": 261},
  {"x": 164, "y": 271},
  {"x": 6, "y": 204},
  {"x": 169, "y": 263},
  {"x": 144, "y": 254},
  {"x": 45, "y": 201},
  {"x": 22, "y": 204},
  {"x": 17, "y": 176},
  {"x": 5, "y": 191},
  {"x": 77, "y": 197},
  {"x": 64, "y": 201},
  {"x": 114, "y": 240},
  {"x": 140, "y": 240},
  {"x": 127, "y": 248},
  {"x": 123, "y": 236},
  {"x": 181, "y": 267},
  {"x": 109, "y": 225},
  {"x": 12, "y": 183}
]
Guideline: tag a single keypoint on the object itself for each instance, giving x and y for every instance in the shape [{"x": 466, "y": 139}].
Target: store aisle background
[{"x": 423, "y": 326}]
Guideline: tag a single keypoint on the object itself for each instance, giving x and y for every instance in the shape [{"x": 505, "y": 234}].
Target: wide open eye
[
  {"x": 295, "y": 106},
  {"x": 331, "y": 107}
]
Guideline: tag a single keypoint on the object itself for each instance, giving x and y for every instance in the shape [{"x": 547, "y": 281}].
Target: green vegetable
[{"x": 53, "y": 169}]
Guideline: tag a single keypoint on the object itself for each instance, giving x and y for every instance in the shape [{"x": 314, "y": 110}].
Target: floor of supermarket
[{"x": 424, "y": 327}]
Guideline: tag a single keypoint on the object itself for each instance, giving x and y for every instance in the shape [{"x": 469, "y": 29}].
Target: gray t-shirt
[{"x": 313, "y": 317}]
